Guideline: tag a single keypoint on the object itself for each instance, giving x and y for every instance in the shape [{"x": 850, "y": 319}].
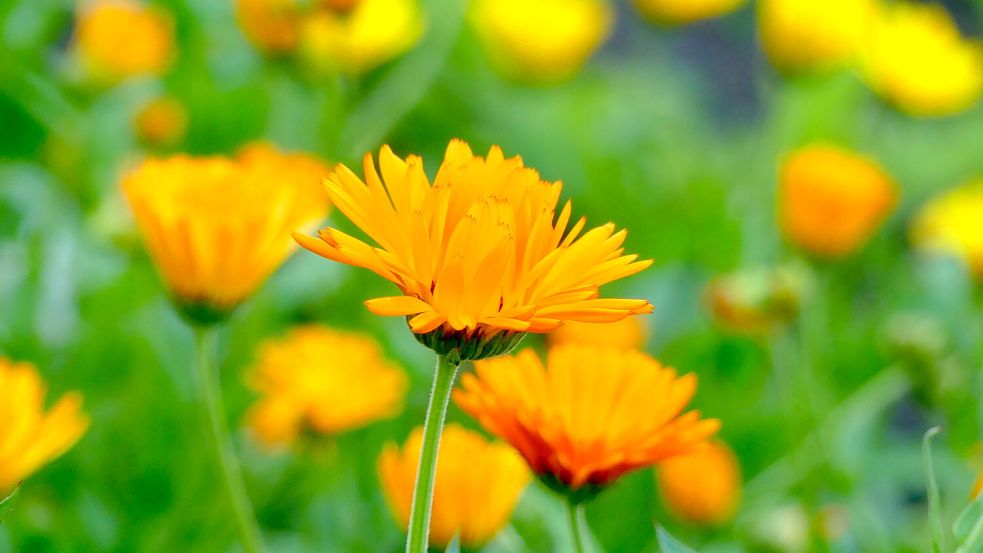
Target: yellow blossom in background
[
  {"x": 161, "y": 121},
  {"x": 217, "y": 227},
  {"x": 29, "y": 436},
  {"x": 324, "y": 380},
  {"x": 703, "y": 486},
  {"x": 682, "y": 12},
  {"x": 271, "y": 25},
  {"x": 478, "y": 254},
  {"x": 814, "y": 34},
  {"x": 541, "y": 40},
  {"x": 628, "y": 333},
  {"x": 952, "y": 223},
  {"x": 831, "y": 200},
  {"x": 117, "y": 39},
  {"x": 371, "y": 33},
  {"x": 477, "y": 487},
  {"x": 917, "y": 60},
  {"x": 588, "y": 416}
]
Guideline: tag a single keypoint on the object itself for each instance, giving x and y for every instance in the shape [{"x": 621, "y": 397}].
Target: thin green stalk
[
  {"x": 210, "y": 402},
  {"x": 575, "y": 514},
  {"x": 418, "y": 534}
]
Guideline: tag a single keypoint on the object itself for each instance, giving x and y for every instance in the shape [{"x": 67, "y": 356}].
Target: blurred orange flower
[
  {"x": 918, "y": 61},
  {"x": 950, "y": 223},
  {"x": 477, "y": 255},
  {"x": 478, "y": 484},
  {"x": 831, "y": 200},
  {"x": 628, "y": 333},
  {"x": 814, "y": 34},
  {"x": 217, "y": 227},
  {"x": 271, "y": 25},
  {"x": 587, "y": 417},
  {"x": 29, "y": 436},
  {"x": 703, "y": 486},
  {"x": 117, "y": 39},
  {"x": 321, "y": 379},
  {"x": 674, "y": 12},
  {"x": 161, "y": 121},
  {"x": 541, "y": 40}
]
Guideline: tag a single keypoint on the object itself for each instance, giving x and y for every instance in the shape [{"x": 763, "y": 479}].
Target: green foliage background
[{"x": 674, "y": 134}]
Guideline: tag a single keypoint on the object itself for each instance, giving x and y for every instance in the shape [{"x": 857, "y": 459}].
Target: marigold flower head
[
  {"x": 831, "y": 200},
  {"x": 756, "y": 300},
  {"x": 358, "y": 40},
  {"x": 271, "y": 25},
  {"x": 541, "y": 40},
  {"x": 477, "y": 487},
  {"x": 29, "y": 436},
  {"x": 217, "y": 227},
  {"x": 950, "y": 223},
  {"x": 917, "y": 60},
  {"x": 814, "y": 34},
  {"x": 674, "y": 12},
  {"x": 587, "y": 417},
  {"x": 117, "y": 39},
  {"x": 628, "y": 333},
  {"x": 703, "y": 486},
  {"x": 481, "y": 255},
  {"x": 324, "y": 380},
  {"x": 161, "y": 122}
]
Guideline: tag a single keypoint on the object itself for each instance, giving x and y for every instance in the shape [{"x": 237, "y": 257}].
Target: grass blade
[
  {"x": 934, "y": 498},
  {"x": 670, "y": 544}
]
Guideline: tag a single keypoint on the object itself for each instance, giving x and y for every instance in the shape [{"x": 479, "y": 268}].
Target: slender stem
[
  {"x": 575, "y": 514},
  {"x": 210, "y": 402},
  {"x": 417, "y": 538}
]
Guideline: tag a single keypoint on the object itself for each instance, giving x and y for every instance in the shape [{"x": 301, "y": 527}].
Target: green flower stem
[
  {"x": 418, "y": 534},
  {"x": 575, "y": 514},
  {"x": 210, "y": 402}
]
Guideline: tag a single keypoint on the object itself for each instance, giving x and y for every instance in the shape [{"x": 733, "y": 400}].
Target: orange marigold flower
[
  {"x": 628, "y": 333},
  {"x": 674, "y": 12},
  {"x": 831, "y": 200},
  {"x": 587, "y": 417},
  {"x": 271, "y": 25},
  {"x": 29, "y": 436},
  {"x": 703, "y": 486},
  {"x": 123, "y": 38},
  {"x": 478, "y": 484},
  {"x": 757, "y": 300},
  {"x": 217, "y": 227},
  {"x": 479, "y": 255},
  {"x": 161, "y": 122},
  {"x": 322, "y": 379}
]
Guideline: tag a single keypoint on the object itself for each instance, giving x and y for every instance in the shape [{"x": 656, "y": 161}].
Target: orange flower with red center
[
  {"x": 588, "y": 416},
  {"x": 479, "y": 253}
]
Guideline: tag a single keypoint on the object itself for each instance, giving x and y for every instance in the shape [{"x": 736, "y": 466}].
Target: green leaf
[
  {"x": 7, "y": 504},
  {"x": 971, "y": 515},
  {"x": 670, "y": 544},
  {"x": 934, "y": 499},
  {"x": 455, "y": 545}
]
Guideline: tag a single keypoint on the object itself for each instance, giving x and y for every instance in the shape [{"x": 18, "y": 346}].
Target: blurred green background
[{"x": 672, "y": 133}]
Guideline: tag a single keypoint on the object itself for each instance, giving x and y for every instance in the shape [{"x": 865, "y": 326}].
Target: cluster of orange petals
[
  {"x": 590, "y": 415},
  {"x": 480, "y": 248}
]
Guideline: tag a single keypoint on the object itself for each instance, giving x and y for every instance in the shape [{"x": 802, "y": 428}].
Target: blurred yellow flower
[
  {"x": 952, "y": 223},
  {"x": 541, "y": 40},
  {"x": 161, "y": 121},
  {"x": 271, "y": 25},
  {"x": 478, "y": 484},
  {"x": 703, "y": 486},
  {"x": 217, "y": 227},
  {"x": 917, "y": 60},
  {"x": 371, "y": 33},
  {"x": 814, "y": 34},
  {"x": 677, "y": 12},
  {"x": 477, "y": 255},
  {"x": 321, "y": 379},
  {"x": 587, "y": 417},
  {"x": 29, "y": 436},
  {"x": 628, "y": 333},
  {"x": 831, "y": 200},
  {"x": 117, "y": 39}
]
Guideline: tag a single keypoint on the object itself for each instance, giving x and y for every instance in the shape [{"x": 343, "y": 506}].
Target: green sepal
[
  {"x": 470, "y": 346},
  {"x": 201, "y": 312},
  {"x": 575, "y": 496},
  {"x": 7, "y": 503}
]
